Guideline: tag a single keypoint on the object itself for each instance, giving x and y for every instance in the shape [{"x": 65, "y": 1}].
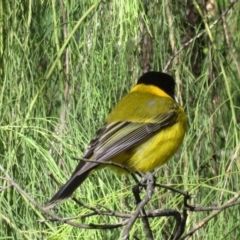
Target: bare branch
[
  {"x": 230, "y": 203},
  {"x": 54, "y": 216},
  {"x": 140, "y": 206}
]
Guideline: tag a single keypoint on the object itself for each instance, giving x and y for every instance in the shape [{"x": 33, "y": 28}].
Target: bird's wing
[{"x": 117, "y": 137}]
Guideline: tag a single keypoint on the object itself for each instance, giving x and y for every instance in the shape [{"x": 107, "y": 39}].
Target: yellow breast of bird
[{"x": 155, "y": 151}]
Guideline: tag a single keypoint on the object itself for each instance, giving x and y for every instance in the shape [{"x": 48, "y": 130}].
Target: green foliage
[{"x": 46, "y": 119}]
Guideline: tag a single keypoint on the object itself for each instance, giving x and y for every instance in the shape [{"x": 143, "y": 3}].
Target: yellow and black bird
[{"x": 142, "y": 132}]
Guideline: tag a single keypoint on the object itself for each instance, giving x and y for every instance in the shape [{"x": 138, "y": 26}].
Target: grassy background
[{"x": 59, "y": 82}]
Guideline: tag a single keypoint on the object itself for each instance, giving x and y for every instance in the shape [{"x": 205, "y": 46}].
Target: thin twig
[
  {"x": 113, "y": 164},
  {"x": 136, "y": 192},
  {"x": 171, "y": 189},
  {"x": 233, "y": 159},
  {"x": 199, "y": 35},
  {"x": 62, "y": 124},
  {"x": 173, "y": 47},
  {"x": 208, "y": 218}
]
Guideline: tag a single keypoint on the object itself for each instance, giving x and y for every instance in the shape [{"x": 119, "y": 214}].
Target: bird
[{"x": 142, "y": 132}]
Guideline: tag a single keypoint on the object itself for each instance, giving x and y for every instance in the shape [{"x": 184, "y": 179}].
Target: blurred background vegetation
[{"x": 65, "y": 64}]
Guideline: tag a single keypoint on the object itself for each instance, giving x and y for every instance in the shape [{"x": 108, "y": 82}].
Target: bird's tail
[{"x": 68, "y": 188}]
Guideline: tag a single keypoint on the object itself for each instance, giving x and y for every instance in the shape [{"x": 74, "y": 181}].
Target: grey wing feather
[{"x": 117, "y": 137}]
